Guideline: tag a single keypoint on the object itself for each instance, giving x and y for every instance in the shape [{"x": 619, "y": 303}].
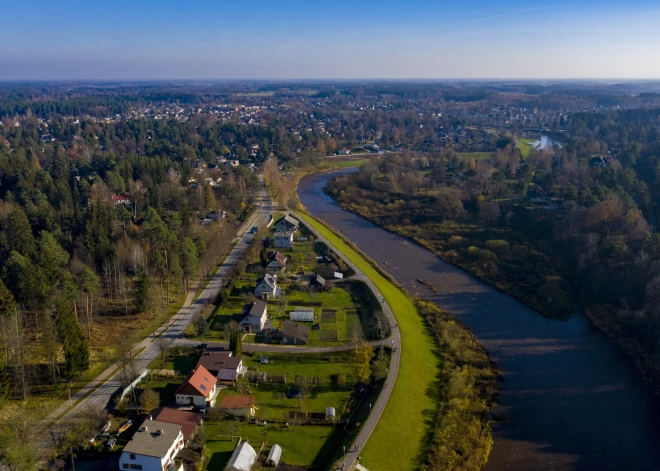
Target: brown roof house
[
  {"x": 188, "y": 420},
  {"x": 198, "y": 390},
  {"x": 255, "y": 317},
  {"x": 222, "y": 365},
  {"x": 276, "y": 263},
  {"x": 153, "y": 447},
  {"x": 238, "y": 406},
  {"x": 295, "y": 333}
]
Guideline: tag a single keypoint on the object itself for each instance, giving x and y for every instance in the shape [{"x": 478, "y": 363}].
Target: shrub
[
  {"x": 473, "y": 252},
  {"x": 499, "y": 246},
  {"x": 486, "y": 255},
  {"x": 457, "y": 241}
]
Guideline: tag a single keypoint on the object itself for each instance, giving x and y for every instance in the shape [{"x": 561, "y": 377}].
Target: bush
[
  {"x": 457, "y": 241},
  {"x": 499, "y": 246},
  {"x": 486, "y": 255},
  {"x": 473, "y": 252}
]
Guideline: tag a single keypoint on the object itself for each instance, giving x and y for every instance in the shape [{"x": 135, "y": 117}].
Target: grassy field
[
  {"x": 344, "y": 163},
  {"x": 405, "y": 422},
  {"x": 525, "y": 145},
  {"x": 301, "y": 445}
]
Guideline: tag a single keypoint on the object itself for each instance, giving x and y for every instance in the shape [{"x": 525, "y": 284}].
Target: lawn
[
  {"x": 525, "y": 145},
  {"x": 301, "y": 445},
  {"x": 177, "y": 359},
  {"x": 404, "y": 423}
]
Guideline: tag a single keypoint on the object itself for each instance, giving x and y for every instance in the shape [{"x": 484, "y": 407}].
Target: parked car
[
  {"x": 202, "y": 346},
  {"x": 110, "y": 443}
]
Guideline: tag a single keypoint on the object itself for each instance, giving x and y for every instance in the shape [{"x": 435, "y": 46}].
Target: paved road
[
  {"x": 108, "y": 382},
  {"x": 351, "y": 459}
]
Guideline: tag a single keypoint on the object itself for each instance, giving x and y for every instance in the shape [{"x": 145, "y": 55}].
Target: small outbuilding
[
  {"x": 330, "y": 413},
  {"x": 242, "y": 459},
  {"x": 274, "y": 456}
]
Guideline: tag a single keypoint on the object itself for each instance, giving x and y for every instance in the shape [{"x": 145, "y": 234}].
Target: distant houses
[{"x": 121, "y": 200}]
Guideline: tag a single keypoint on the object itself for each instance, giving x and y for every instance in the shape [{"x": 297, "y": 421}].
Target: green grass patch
[
  {"x": 404, "y": 424},
  {"x": 219, "y": 448},
  {"x": 525, "y": 145}
]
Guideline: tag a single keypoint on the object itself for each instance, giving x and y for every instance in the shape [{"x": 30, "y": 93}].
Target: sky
[{"x": 340, "y": 39}]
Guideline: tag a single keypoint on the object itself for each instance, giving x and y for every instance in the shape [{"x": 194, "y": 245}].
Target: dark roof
[
  {"x": 290, "y": 220},
  {"x": 188, "y": 420},
  {"x": 216, "y": 361},
  {"x": 258, "y": 308},
  {"x": 268, "y": 279},
  {"x": 201, "y": 379},
  {"x": 295, "y": 330}
]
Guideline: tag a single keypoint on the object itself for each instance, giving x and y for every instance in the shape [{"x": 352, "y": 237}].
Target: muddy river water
[{"x": 574, "y": 402}]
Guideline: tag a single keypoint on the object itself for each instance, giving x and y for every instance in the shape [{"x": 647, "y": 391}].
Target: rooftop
[
  {"x": 237, "y": 402},
  {"x": 154, "y": 438},
  {"x": 216, "y": 361},
  {"x": 200, "y": 379},
  {"x": 188, "y": 420}
]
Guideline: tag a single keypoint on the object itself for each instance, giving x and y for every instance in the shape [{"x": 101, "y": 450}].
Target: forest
[
  {"x": 562, "y": 228},
  {"x": 99, "y": 244}
]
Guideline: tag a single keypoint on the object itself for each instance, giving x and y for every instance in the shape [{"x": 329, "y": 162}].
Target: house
[
  {"x": 295, "y": 333},
  {"x": 344, "y": 151},
  {"x": 198, "y": 390},
  {"x": 266, "y": 287},
  {"x": 242, "y": 459},
  {"x": 238, "y": 406},
  {"x": 188, "y": 420},
  {"x": 255, "y": 318},
  {"x": 153, "y": 447},
  {"x": 318, "y": 283},
  {"x": 222, "y": 365},
  {"x": 234, "y": 163},
  {"x": 276, "y": 263},
  {"x": 283, "y": 240},
  {"x": 124, "y": 199},
  {"x": 287, "y": 224}
]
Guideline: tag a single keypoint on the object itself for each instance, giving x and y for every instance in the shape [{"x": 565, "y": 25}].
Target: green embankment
[{"x": 398, "y": 439}]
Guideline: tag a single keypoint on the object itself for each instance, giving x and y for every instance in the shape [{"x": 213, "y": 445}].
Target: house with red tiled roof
[
  {"x": 188, "y": 420},
  {"x": 124, "y": 199},
  {"x": 238, "y": 406},
  {"x": 198, "y": 390}
]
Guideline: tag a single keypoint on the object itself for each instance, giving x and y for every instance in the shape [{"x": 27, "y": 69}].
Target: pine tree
[
  {"x": 76, "y": 348},
  {"x": 142, "y": 291},
  {"x": 235, "y": 343}
]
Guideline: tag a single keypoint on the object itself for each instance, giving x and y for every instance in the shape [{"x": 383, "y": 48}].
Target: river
[{"x": 573, "y": 400}]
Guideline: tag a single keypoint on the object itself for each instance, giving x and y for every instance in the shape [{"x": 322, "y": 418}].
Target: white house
[
  {"x": 266, "y": 287},
  {"x": 198, "y": 390},
  {"x": 287, "y": 224},
  {"x": 255, "y": 318},
  {"x": 153, "y": 447},
  {"x": 283, "y": 240}
]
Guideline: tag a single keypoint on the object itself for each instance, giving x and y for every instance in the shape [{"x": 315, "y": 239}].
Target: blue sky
[{"x": 282, "y": 39}]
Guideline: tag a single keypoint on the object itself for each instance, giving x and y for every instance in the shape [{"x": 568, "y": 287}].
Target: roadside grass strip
[{"x": 403, "y": 429}]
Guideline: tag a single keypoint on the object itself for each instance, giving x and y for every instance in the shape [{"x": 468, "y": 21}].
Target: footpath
[{"x": 351, "y": 458}]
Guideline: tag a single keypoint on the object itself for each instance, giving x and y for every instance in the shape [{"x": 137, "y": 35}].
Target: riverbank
[
  {"x": 571, "y": 400},
  {"x": 421, "y": 390}
]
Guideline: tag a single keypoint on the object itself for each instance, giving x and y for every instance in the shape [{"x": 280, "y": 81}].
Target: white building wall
[
  {"x": 184, "y": 400},
  {"x": 151, "y": 463}
]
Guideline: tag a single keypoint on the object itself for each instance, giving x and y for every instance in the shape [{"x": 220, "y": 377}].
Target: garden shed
[
  {"x": 302, "y": 314},
  {"x": 242, "y": 459}
]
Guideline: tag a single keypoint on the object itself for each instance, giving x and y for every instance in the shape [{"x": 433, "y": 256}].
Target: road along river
[{"x": 573, "y": 401}]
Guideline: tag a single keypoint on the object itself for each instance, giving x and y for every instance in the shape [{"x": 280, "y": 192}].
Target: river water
[{"x": 574, "y": 402}]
